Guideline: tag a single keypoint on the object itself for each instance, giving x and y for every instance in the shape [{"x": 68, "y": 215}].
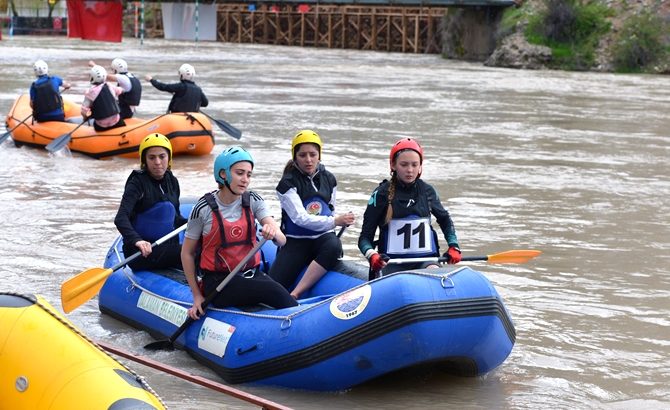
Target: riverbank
[{"x": 609, "y": 36}]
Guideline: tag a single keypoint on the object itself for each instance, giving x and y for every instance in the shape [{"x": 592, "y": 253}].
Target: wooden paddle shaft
[{"x": 222, "y": 388}]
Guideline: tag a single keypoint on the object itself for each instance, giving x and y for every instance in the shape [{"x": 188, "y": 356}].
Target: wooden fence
[{"x": 395, "y": 29}]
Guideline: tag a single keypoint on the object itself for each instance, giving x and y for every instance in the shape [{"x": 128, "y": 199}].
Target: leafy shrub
[
  {"x": 558, "y": 21},
  {"x": 639, "y": 43},
  {"x": 572, "y": 30}
]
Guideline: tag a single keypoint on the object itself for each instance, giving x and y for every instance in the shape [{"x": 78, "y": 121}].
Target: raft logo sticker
[
  {"x": 351, "y": 304},
  {"x": 165, "y": 310},
  {"x": 314, "y": 208},
  {"x": 214, "y": 336}
]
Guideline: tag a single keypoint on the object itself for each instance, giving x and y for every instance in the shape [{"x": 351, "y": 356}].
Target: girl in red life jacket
[{"x": 223, "y": 223}]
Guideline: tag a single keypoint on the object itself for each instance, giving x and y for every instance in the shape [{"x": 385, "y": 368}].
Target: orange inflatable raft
[{"x": 189, "y": 133}]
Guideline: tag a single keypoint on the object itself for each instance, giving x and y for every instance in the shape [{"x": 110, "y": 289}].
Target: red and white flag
[{"x": 96, "y": 20}]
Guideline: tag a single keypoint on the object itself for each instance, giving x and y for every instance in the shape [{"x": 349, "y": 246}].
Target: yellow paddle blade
[
  {"x": 78, "y": 290},
  {"x": 517, "y": 256}
]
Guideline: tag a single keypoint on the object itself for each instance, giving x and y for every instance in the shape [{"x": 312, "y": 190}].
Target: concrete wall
[{"x": 470, "y": 33}]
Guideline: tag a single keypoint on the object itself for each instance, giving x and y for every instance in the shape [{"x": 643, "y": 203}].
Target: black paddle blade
[
  {"x": 160, "y": 345},
  {"x": 59, "y": 143},
  {"x": 9, "y": 132},
  {"x": 4, "y": 136},
  {"x": 229, "y": 129}
]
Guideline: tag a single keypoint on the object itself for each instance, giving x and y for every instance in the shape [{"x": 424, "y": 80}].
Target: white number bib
[{"x": 409, "y": 236}]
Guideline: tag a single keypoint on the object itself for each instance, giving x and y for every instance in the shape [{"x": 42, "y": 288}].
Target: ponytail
[{"x": 290, "y": 166}]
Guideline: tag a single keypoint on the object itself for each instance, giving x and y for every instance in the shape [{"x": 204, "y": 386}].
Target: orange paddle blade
[
  {"x": 516, "y": 256},
  {"x": 78, "y": 290}
]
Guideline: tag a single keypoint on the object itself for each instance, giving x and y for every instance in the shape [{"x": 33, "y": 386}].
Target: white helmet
[
  {"x": 186, "y": 72},
  {"x": 119, "y": 66},
  {"x": 98, "y": 75},
  {"x": 41, "y": 68}
]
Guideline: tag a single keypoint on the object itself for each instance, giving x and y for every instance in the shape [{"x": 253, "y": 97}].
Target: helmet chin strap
[{"x": 227, "y": 185}]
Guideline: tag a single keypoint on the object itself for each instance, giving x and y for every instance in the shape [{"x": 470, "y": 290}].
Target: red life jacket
[{"x": 228, "y": 243}]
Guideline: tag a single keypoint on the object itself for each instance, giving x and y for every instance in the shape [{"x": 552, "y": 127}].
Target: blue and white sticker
[
  {"x": 351, "y": 304},
  {"x": 165, "y": 310},
  {"x": 214, "y": 336}
]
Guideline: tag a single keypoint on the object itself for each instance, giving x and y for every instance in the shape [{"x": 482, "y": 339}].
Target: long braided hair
[{"x": 389, "y": 209}]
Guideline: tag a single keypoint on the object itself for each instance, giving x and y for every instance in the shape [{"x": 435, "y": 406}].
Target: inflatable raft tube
[{"x": 46, "y": 362}]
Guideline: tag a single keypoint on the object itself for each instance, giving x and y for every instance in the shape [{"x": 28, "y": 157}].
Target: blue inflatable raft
[{"x": 345, "y": 331}]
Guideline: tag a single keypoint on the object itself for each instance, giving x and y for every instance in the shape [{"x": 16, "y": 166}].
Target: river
[{"x": 572, "y": 164}]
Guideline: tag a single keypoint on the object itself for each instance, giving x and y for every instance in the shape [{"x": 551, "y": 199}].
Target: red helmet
[{"x": 405, "y": 144}]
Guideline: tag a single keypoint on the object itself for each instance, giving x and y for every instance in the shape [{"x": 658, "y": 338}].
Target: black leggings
[
  {"x": 165, "y": 255},
  {"x": 241, "y": 291},
  {"x": 293, "y": 257}
]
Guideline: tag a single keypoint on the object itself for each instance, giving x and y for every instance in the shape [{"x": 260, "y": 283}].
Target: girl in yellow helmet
[
  {"x": 307, "y": 194},
  {"x": 150, "y": 208}
]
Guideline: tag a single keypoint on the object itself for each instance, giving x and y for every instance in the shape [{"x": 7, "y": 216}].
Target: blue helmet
[{"x": 227, "y": 159}]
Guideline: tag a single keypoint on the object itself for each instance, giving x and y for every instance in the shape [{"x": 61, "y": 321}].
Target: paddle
[
  {"x": 169, "y": 344},
  {"x": 60, "y": 142},
  {"x": 339, "y": 234},
  {"x": 222, "y": 388},
  {"x": 4, "y": 136},
  {"x": 76, "y": 291},
  {"x": 225, "y": 127},
  {"x": 516, "y": 256}
]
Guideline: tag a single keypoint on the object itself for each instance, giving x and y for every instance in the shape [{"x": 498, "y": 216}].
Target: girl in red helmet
[{"x": 401, "y": 209}]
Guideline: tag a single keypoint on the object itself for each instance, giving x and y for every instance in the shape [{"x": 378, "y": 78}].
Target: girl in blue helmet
[
  {"x": 307, "y": 193},
  {"x": 222, "y": 231}
]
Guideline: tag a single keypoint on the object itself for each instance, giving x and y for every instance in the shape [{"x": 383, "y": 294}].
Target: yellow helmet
[
  {"x": 155, "y": 140},
  {"x": 305, "y": 136}
]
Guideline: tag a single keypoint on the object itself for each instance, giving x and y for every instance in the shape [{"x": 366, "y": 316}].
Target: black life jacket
[
  {"x": 407, "y": 203},
  {"x": 133, "y": 96},
  {"x": 104, "y": 105},
  {"x": 152, "y": 196},
  {"x": 154, "y": 213},
  {"x": 46, "y": 98},
  {"x": 189, "y": 101}
]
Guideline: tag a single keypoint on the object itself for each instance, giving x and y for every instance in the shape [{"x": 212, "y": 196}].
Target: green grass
[{"x": 511, "y": 16}]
